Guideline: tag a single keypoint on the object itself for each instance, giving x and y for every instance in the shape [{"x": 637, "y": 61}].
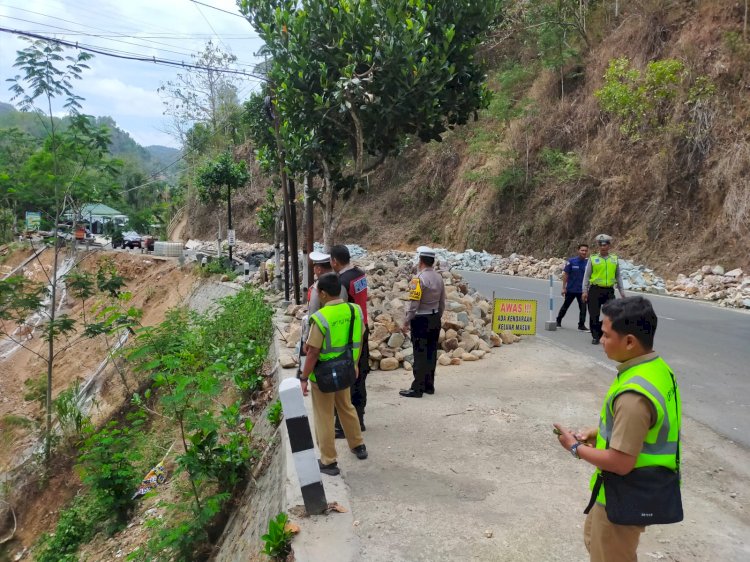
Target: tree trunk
[
  {"x": 286, "y": 259},
  {"x": 309, "y": 228},
  {"x": 287, "y": 209},
  {"x": 293, "y": 239},
  {"x": 329, "y": 225},
  {"x": 229, "y": 223}
]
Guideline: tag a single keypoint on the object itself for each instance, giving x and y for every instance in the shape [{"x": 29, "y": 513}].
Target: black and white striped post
[
  {"x": 303, "y": 449},
  {"x": 551, "y": 324}
]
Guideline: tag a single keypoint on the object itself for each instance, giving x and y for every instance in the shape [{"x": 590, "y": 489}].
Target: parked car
[{"x": 131, "y": 239}]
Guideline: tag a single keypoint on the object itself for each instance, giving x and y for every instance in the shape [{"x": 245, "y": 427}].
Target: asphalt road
[{"x": 707, "y": 346}]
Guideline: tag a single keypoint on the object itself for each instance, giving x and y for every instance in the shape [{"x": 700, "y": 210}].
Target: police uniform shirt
[
  {"x": 633, "y": 414},
  {"x": 432, "y": 298}
]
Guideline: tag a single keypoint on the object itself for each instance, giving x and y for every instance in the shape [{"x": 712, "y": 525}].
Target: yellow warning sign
[{"x": 518, "y": 316}]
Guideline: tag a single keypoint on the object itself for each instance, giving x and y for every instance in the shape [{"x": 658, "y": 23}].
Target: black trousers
[
  {"x": 569, "y": 298},
  {"x": 598, "y": 296},
  {"x": 358, "y": 389},
  {"x": 425, "y": 332}
]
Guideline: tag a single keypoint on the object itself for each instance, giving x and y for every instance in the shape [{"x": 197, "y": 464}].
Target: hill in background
[{"x": 150, "y": 159}]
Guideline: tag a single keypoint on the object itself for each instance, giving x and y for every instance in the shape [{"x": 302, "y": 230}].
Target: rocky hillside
[
  {"x": 546, "y": 166},
  {"x": 657, "y": 153}
]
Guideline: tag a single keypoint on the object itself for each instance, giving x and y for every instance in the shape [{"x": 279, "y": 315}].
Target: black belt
[{"x": 603, "y": 287}]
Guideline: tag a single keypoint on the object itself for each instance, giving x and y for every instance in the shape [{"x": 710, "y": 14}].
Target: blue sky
[{"x": 127, "y": 90}]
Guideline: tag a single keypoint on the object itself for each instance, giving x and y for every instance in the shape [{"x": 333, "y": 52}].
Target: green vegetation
[
  {"x": 558, "y": 165},
  {"x": 110, "y": 466},
  {"x": 278, "y": 540},
  {"x": 644, "y": 102},
  {"x": 193, "y": 360},
  {"x": 275, "y": 413}
]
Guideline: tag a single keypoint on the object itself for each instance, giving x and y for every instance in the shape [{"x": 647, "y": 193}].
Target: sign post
[
  {"x": 518, "y": 316},
  {"x": 33, "y": 220},
  {"x": 551, "y": 324}
]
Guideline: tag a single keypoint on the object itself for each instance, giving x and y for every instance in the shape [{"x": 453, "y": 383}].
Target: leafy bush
[
  {"x": 73, "y": 422},
  {"x": 644, "y": 102},
  {"x": 108, "y": 463},
  {"x": 275, "y": 413},
  {"x": 278, "y": 540},
  {"x": 559, "y": 165},
  {"x": 510, "y": 179},
  {"x": 191, "y": 357}
]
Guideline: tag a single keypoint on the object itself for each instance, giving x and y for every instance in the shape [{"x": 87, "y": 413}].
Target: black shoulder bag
[
  {"x": 649, "y": 495},
  {"x": 338, "y": 373}
]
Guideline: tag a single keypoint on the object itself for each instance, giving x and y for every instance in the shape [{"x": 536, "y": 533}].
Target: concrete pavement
[{"x": 707, "y": 346}]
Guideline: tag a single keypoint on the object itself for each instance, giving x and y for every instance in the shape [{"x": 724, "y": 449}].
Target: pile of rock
[
  {"x": 711, "y": 282},
  {"x": 466, "y": 333}
]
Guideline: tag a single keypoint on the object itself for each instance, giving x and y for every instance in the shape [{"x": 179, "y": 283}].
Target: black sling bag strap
[{"x": 645, "y": 496}]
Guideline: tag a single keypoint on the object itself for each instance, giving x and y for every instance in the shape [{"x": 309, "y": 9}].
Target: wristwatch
[{"x": 574, "y": 450}]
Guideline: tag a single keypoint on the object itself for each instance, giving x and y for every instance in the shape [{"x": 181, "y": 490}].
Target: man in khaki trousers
[{"x": 329, "y": 291}]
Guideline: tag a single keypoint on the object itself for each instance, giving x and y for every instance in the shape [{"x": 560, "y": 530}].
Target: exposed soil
[{"x": 156, "y": 284}]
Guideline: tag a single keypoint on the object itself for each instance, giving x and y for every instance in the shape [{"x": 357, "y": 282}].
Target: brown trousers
[
  {"x": 323, "y": 405},
  {"x": 607, "y": 542}
]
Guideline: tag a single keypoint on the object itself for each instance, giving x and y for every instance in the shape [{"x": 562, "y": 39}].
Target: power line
[
  {"x": 130, "y": 56},
  {"x": 118, "y": 36},
  {"x": 219, "y": 9}
]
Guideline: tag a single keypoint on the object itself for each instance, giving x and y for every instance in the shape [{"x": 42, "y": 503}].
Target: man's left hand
[
  {"x": 303, "y": 384},
  {"x": 622, "y": 294},
  {"x": 405, "y": 328},
  {"x": 566, "y": 438}
]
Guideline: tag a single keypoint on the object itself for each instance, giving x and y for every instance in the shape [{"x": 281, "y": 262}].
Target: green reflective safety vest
[
  {"x": 333, "y": 322},
  {"x": 603, "y": 270},
  {"x": 652, "y": 379}
]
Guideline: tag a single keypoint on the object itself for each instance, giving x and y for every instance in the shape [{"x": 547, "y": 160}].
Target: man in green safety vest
[
  {"x": 639, "y": 424},
  {"x": 601, "y": 275},
  {"x": 329, "y": 336}
]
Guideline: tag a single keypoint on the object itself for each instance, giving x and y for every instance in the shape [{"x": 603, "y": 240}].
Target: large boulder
[
  {"x": 389, "y": 364},
  {"x": 444, "y": 360},
  {"x": 396, "y": 340},
  {"x": 450, "y": 344}
]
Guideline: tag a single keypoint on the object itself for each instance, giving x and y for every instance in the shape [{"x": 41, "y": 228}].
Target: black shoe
[
  {"x": 410, "y": 393},
  {"x": 339, "y": 434},
  {"x": 582, "y": 328},
  {"x": 595, "y": 341},
  {"x": 360, "y": 451},
  {"x": 329, "y": 469},
  {"x": 429, "y": 391},
  {"x": 559, "y": 323}
]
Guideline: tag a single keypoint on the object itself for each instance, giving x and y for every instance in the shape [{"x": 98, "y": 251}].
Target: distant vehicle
[{"x": 131, "y": 239}]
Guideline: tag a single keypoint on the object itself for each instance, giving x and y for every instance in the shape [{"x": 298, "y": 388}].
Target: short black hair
[
  {"x": 329, "y": 282},
  {"x": 634, "y": 316},
  {"x": 341, "y": 254},
  {"x": 582, "y": 246},
  {"x": 427, "y": 260}
]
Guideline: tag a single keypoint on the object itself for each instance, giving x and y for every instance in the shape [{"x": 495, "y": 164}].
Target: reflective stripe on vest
[
  {"x": 603, "y": 270},
  {"x": 654, "y": 381},
  {"x": 333, "y": 322}
]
